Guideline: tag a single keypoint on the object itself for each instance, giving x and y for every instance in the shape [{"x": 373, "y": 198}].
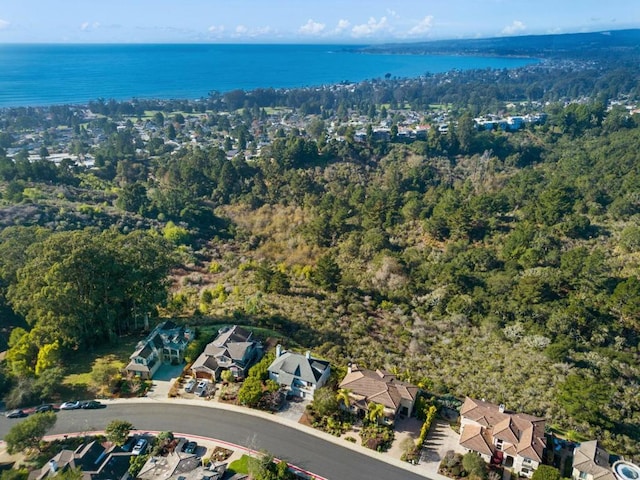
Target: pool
[{"x": 626, "y": 470}]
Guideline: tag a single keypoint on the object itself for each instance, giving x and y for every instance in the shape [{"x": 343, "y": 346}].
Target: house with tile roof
[
  {"x": 500, "y": 437},
  {"x": 367, "y": 386},
  {"x": 591, "y": 462},
  {"x": 96, "y": 461},
  {"x": 166, "y": 343},
  {"x": 299, "y": 374},
  {"x": 234, "y": 349}
]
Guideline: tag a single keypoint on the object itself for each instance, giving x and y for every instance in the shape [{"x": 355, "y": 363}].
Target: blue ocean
[{"x": 36, "y": 75}]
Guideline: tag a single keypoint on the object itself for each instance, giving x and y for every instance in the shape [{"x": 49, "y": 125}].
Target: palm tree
[
  {"x": 375, "y": 412},
  {"x": 343, "y": 397}
]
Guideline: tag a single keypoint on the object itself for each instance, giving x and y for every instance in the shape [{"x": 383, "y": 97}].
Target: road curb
[{"x": 282, "y": 421}]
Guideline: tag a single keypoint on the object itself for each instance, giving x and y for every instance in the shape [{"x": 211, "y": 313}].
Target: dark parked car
[
  {"x": 190, "y": 447},
  {"x": 92, "y": 404},
  {"x": 16, "y": 414},
  {"x": 47, "y": 407}
]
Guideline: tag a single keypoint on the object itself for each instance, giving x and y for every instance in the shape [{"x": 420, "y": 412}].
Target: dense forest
[{"x": 493, "y": 264}]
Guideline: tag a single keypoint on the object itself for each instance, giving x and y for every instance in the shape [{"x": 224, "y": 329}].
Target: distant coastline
[{"x": 41, "y": 75}]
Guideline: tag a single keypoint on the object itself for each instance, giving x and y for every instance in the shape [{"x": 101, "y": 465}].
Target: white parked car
[
  {"x": 188, "y": 387},
  {"x": 71, "y": 405},
  {"x": 139, "y": 447}
]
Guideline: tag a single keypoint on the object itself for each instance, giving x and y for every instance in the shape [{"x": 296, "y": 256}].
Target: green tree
[
  {"x": 136, "y": 462},
  {"x": 325, "y": 402},
  {"x": 625, "y": 301},
  {"x": 226, "y": 376},
  {"x": 158, "y": 119},
  {"x": 117, "y": 431},
  {"x": 175, "y": 234},
  {"x": 48, "y": 357},
  {"x": 104, "y": 375},
  {"x": 327, "y": 273},
  {"x": 250, "y": 392},
  {"x": 473, "y": 464},
  {"x": 81, "y": 302},
  {"x": 28, "y": 433},
  {"x": 14, "y": 474},
  {"x": 546, "y": 472},
  {"x": 375, "y": 412},
  {"x": 585, "y": 399},
  {"x": 343, "y": 397}
]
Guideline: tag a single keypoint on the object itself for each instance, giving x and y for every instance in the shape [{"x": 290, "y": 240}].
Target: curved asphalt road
[{"x": 299, "y": 448}]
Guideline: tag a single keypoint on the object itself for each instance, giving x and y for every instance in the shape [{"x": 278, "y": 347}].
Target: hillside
[{"x": 496, "y": 262}]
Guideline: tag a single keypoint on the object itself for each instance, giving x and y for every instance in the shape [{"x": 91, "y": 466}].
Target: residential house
[
  {"x": 234, "y": 349},
  {"x": 299, "y": 374},
  {"x": 177, "y": 464},
  {"x": 165, "y": 344},
  {"x": 591, "y": 462},
  {"x": 96, "y": 461},
  {"x": 515, "y": 440},
  {"x": 366, "y": 386}
]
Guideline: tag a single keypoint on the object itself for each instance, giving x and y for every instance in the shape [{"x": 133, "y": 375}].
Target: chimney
[
  {"x": 501, "y": 408},
  {"x": 278, "y": 350},
  {"x": 349, "y": 367},
  {"x": 307, "y": 354},
  {"x": 53, "y": 466}
]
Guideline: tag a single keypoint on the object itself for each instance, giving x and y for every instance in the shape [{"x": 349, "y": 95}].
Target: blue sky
[{"x": 302, "y": 21}]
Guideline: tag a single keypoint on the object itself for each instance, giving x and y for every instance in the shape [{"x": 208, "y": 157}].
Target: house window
[
  {"x": 498, "y": 444},
  {"x": 527, "y": 461},
  {"x": 525, "y": 471},
  {"x": 583, "y": 475}
]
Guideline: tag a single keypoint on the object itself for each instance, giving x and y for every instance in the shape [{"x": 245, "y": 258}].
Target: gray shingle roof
[{"x": 290, "y": 366}]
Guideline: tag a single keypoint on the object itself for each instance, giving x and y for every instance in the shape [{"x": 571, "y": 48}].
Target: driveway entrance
[{"x": 163, "y": 380}]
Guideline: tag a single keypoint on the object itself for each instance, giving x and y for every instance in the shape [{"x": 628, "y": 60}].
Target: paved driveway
[
  {"x": 163, "y": 380},
  {"x": 293, "y": 409},
  {"x": 440, "y": 440}
]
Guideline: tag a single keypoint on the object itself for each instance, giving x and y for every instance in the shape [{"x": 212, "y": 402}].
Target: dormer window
[{"x": 498, "y": 444}]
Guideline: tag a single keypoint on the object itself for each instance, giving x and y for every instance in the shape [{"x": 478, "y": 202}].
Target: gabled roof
[
  {"x": 291, "y": 366},
  {"x": 379, "y": 387},
  {"x": 95, "y": 461},
  {"x": 229, "y": 346},
  {"x": 525, "y": 432},
  {"x": 165, "y": 334},
  {"x": 234, "y": 334},
  {"x": 205, "y": 363},
  {"x": 476, "y": 438},
  {"x": 144, "y": 351},
  {"x": 592, "y": 459}
]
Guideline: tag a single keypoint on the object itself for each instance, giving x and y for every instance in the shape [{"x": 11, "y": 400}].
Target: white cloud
[
  {"x": 342, "y": 25},
  {"x": 369, "y": 28},
  {"x": 217, "y": 29},
  {"x": 392, "y": 13},
  {"x": 312, "y": 28},
  {"x": 88, "y": 26},
  {"x": 246, "y": 32},
  {"x": 515, "y": 27},
  {"x": 3, "y": 24},
  {"x": 422, "y": 27}
]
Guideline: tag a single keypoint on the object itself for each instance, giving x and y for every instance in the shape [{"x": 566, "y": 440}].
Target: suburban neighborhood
[{"x": 510, "y": 444}]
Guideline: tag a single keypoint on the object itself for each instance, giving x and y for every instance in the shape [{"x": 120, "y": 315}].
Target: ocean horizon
[{"x": 53, "y": 74}]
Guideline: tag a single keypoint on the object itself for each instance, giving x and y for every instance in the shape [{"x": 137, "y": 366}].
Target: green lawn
[
  {"x": 79, "y": 368},
  {"x": 240, "y": 466}
]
